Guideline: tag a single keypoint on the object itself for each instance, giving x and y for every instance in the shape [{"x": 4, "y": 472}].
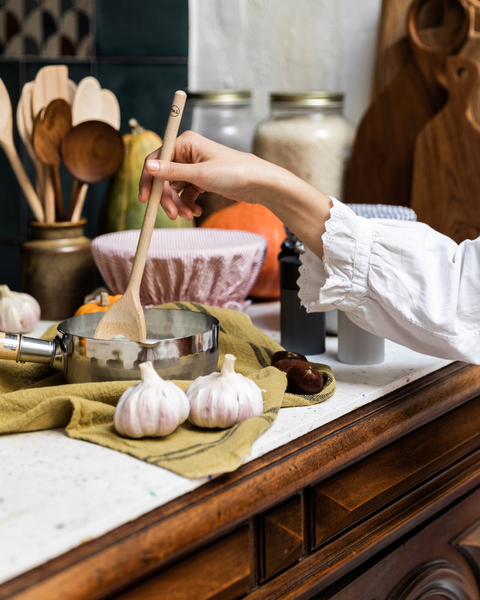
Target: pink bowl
[{"x": 216, "y": 267}]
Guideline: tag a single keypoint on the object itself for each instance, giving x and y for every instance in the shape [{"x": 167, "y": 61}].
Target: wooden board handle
[
  {"x": 166, "y": 153},
  {"x": 9, "y": 346}
]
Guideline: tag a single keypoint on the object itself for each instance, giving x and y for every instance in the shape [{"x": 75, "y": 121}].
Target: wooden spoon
[
  {"x": 126, "y": 316},
  {"x": 87, "y": 105},
  {"x": 92, "y": 151},
  {"x": 51, "y": 126},
  {"x": 26, "y": 136},
  {"x": 50, "y": 83},
  {"x": 6, "y": 141},
  {"x": 110, "y": 109}
]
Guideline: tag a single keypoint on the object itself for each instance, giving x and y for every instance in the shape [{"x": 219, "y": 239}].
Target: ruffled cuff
[{"x": 339, "y": 281}]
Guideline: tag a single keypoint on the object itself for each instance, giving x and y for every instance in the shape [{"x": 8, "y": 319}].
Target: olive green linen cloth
[{"x": 35, "y": 397}]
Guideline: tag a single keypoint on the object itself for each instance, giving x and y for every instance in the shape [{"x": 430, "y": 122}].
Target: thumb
[{"x": 173, "y": 171}]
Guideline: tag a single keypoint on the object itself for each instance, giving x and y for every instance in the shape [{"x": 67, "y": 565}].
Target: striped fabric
[{"x": 211, "y": 266}]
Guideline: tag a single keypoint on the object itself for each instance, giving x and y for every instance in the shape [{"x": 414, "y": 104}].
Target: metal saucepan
[{"x": 187, "y": 347}]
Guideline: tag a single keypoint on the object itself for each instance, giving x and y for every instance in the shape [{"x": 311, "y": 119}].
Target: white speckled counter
[{"x": 56, "y": 493}]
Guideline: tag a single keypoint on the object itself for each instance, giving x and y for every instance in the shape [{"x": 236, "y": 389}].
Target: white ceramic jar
[{"x": 307, "y": 134}]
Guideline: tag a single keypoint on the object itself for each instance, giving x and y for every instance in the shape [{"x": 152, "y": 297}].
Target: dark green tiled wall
[{"x": 142, "y": 54}]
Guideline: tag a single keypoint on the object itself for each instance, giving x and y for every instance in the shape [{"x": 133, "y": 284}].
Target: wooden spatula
[
  {"x": 126, "y": 316},
  {"x": 51, "y": 126},
  {"x": 446, "y": 182},
  {"x": 380, "y": 170},
  {"x": 6, "y": 141}
]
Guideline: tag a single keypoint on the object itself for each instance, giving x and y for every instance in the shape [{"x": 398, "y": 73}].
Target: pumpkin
[
  {"x": 121, "y": 209},
  {"x": 257, "y": 219},
  {"x": 101, "y": 305}
]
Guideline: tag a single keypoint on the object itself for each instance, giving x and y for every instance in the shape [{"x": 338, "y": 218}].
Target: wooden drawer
[
  {"x": 385, "y": 476},
  {"x": 220, "y": 571},
  {"x": 282, "y": 538}
]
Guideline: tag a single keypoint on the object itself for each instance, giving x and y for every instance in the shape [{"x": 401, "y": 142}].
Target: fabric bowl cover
[{"x": 216, "y": 267}]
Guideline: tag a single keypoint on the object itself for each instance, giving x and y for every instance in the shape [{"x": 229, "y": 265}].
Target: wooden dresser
[{"x": 382, "y": 503}]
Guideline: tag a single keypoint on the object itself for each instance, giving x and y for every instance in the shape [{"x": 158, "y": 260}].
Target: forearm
[{"x": 302, "y": 208}]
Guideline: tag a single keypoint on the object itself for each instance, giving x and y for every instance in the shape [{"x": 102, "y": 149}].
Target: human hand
[{"x": 200, "y": 165}]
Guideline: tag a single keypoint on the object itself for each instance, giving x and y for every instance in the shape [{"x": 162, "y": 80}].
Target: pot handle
[{"x": 25, "y": 349}]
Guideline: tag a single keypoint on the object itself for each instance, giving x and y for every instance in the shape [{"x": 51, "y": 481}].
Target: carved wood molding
[
  {"x": 468, "y": 543},
  {"x": 438, "y": 579}
]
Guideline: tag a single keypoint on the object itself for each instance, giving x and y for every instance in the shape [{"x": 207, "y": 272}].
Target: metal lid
[
  {"x": 312, "y": 98},
  {"x": 226, "y": 96}
]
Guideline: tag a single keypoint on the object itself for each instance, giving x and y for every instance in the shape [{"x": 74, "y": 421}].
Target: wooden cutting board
[
  {"x": 380, "y": 169},
  {"x": 446, "y": 179},
  {"x": 392, "y": 46}
]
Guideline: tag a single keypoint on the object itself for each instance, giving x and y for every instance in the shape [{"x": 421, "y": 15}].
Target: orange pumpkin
[
  {"x": 101, "y": 305},
  {"x": 257, "y": 219}
]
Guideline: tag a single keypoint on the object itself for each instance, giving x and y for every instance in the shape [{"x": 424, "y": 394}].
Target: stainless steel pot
[{"x": 187, "y": 347}]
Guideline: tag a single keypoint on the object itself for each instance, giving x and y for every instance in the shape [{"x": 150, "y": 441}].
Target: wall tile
[
  {"x": 144, "y": 92},
  {"x": 146, "y": 28},
  {"x": 12, "y": 203},
  {"x": 10, "y": 266}
]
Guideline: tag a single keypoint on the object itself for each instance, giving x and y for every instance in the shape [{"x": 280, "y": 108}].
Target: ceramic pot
[{"x": 57, "y": 267}]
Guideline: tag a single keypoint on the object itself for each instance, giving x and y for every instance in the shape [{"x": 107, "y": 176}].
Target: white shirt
[{"x": 400, "y": 280}]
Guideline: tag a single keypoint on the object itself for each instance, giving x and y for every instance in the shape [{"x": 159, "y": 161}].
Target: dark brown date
[
  {"x": 286, "y": 354},
  {"x": 287, "y": 363},
  {"x": 304, "y": 379}
]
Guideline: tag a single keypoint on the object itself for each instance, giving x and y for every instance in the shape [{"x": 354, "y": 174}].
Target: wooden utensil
[
  {"x": 110, "y": 109},
  {"x": 26, "y": 137},
  {"x": 471, "y": 49},
  {"x": 6, "y": 141},
  {"x": 87, "y": 105},
  {"x": 380, "y": 170},
  {"x": 50, "y": 83},
  {"x": 434, "y": 20},
  {"x": 126, "y": 316},
  {"x": 446, "y": 182},
  {"x": 92, "y": 151},
  {"x": 51, "y": 126}
]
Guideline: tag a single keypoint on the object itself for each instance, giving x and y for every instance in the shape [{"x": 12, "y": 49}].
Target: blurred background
[{"x": 143, "y": 50}]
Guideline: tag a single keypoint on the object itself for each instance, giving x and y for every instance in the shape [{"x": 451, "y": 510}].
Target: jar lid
[
  {"x": 223, "y": 97},
  {"x": 307, "y": 98}
]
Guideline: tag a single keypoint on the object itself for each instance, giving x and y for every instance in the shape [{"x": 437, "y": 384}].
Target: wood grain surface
[
  {"x": 446, "y": 181},
  {"x": 267, "y": 489},
  {"x": 381, "y": 166}
]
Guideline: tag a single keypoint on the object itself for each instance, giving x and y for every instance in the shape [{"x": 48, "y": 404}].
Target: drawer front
[
  {"x": 283, "y": 537},
  {"x": 385, "y": 476},
  {"x": 220, "y": 571}
]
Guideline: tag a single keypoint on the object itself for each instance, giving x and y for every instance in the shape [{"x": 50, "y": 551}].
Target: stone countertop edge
[{"x": 49, "y": 506}]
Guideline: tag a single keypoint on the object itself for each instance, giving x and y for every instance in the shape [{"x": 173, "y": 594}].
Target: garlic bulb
[
  {"x": 152, "y": 407},
  {"x": 19, "y": 313},
  {"x": 223, "y": 399}
]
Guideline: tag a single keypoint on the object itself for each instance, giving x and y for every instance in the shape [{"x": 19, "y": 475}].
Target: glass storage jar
[
  {"x": 307, "y": 134},
  {"x": 226, "y": 117}
]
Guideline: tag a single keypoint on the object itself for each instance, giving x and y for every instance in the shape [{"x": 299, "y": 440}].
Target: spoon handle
[
  {"x": 166, "y": 153},
  {"x": 24, "y": 182}
]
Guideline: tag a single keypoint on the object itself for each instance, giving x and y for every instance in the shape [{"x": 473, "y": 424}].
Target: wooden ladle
[
  {"x": 126, "y": 316},
  {"x": 91, "y": 152},
  {"x": 51, "y": 126},
  {"x": 6, "y": 141}
]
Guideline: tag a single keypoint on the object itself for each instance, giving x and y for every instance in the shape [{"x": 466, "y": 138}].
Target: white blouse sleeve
[{"x": 400, "y": 280}]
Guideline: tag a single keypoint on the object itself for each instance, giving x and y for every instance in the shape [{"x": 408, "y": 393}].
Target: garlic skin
[
  {"x": 223, "y": 399},
  {"x": 19, "y": 313},
  {"x": 152, "y": 407}
]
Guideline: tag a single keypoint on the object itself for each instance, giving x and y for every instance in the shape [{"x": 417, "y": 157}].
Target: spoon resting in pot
[{"x": 126, "y": 316}]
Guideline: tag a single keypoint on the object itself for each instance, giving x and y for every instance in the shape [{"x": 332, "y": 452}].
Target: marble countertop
[{"x": 56, "y": 492}]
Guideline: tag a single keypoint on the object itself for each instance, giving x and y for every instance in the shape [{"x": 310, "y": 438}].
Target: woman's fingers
[
  {"x": 146, "y": 179},
  {"x": 174, "y": 205}
]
